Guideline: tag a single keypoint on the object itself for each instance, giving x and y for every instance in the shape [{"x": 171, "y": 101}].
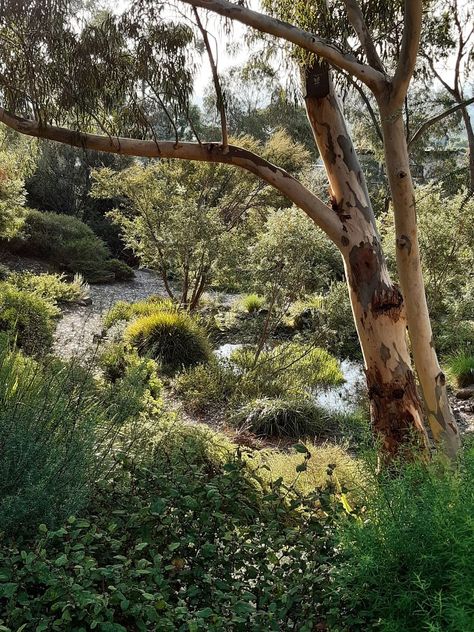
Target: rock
[
  {"x": 263, "y": 311},
  {"x": 84, "y": 302},
  {"x": 465, "y": 393}
]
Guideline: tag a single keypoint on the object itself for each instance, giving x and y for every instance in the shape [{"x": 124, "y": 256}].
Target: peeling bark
[
  {"x": 377, "y": 303},
  {"x": 439, "y": 415}
]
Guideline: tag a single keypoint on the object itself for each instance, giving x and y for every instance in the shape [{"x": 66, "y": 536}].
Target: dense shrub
[
  {"x": 281, "y": 417},
  {"x": 460, "y": 369},
  {"x": 121, "y": 271},
  {"x": 405, "y": 559},
  {"x": 53, "y": 288},
  {"x": 124, "y": 311},
  {"x": 206, "y": 387},
  {"x": 47, "y": 423},
  {"x": 172, "y": 337},
  {"x": 65, "y": 241},
  {"x": 195, "y": 540},
  {"x": 27, "y": 318},
  {"x": 288, "y": 368}
]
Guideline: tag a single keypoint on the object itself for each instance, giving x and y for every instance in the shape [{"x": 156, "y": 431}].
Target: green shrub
[
  {"x": 205, "y": 387},
  {"x": 66, "y": 242},
  {"x": 328, "y": 464},
  {"x": 27, "y": 318},
  {"x": 460, "y": 369},
  {"x": 194, "y": 540},
  {"x": 53, "y": 288},
  {"x": 47, "y": 423},
  {"x": 287, "y": 369},
  {"x": 171, "y": 337},
  {"x": 405, "y": 558},
  {"x": 121, "y": 270},
  {"x": 280, "y": 417},
  {"x": 252, "y": 303},
  {"x": 123, "y": 311}
]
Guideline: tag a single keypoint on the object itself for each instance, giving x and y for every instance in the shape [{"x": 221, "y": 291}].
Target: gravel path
[{"x": 80, "y": 326}]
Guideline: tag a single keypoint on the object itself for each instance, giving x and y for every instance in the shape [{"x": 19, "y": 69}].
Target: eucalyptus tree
[{"x": 95, "y": 78}]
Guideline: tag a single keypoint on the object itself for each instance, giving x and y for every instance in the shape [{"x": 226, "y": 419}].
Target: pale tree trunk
[
  {"x": 432, "y": 380},
  {"x": 377, "y": 304},
  {"x": 470, "y": 143}
]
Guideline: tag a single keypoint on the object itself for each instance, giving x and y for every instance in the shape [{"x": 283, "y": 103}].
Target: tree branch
[
  {"x": 409, "y": 50},
  {"x": 217, "y": 84},
  {"x": 438, "y": 117},
  {"x": 357, "y": 20},
  {"x": 267, "y": 24},
  {"x": 280, "y": 179}
]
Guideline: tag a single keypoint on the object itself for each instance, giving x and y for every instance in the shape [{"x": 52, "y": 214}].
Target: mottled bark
[
  {"x": 432, "y": 381},
  {"x": 377, "y": 304}
]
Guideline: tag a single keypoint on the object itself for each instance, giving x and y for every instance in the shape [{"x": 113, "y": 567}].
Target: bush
[
  {"x": 205, "y": 387},
  {"x": 328, "y": 464},
  {"x": 120, "y": 269},
  {"x": 287, "y": 369},
  {"x": 124, "y": 312},
  {"x": 280, "y": 417},
  {"x": 195, "y": 539},
  {"x": 27, "y": 319},
  {"x": 171, "y": 337},
  {"x": 460, "y": 369},
  {"x": 405, "y": 558},
  {"x": 53, "y": 288},
  {"x": 47, "y": 426},
  {"x": 70, "y": 244},
  {"x": 252, "y": 303}
]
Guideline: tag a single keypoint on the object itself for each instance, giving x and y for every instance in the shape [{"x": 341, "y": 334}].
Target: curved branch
[
  {"x": 278, "y": 178},
  {"x": 322, "y": 48},
  {"x": 409, "y": 50},
  {"x": 438, "y": 117},
  {"x": 356, "y": 18}
]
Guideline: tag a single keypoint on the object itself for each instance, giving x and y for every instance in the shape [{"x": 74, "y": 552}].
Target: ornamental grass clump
[
  {"x": 171, "y": 337},
  {"x": 281, "y": 417},
  {"x": 460, "y": 369}
]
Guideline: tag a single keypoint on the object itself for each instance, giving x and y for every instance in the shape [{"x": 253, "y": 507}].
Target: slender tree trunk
[
  {"x": 377, "y": 304},
  {"x": 432, "y": 380},
  {"x": 470, "y": 143}
]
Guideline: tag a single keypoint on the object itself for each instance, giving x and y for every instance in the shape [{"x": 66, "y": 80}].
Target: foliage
[
  {"x": 329, "y": 464},
  {"x": 172, "y": 337},
  {"x": 181, "y": 219},
  {"x": 288, "y": 368},
  {"x": 460, "y": 369},
  {"x": 66, "y": 242},
  {"x": 287, "y": 371},
  {"x": 17, "y": 158},
  {"x": 124, "y": 311},
  {"x": 47, "y": 424},
  {"x": 446, "y": 235},
  {"x": 281, "y": 417},
  {"x": 53, "y": 288},
  {"x": 121, "y": 271},
  {"x": 206, "y": 388},
  {"x": 405, "y": 557},
  {"x": 252, "y": 303},
  {"x": 61, "y": 183},
  {"x": 196, "y": 539},
  {"x": 294, "y": 255},
  {"x": 27, "y": 319}
]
